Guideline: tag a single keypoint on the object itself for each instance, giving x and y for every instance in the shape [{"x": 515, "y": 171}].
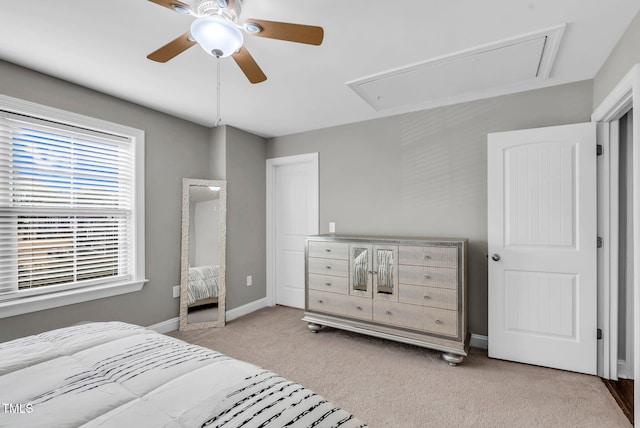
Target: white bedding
[{"x": 120, "y": 375}]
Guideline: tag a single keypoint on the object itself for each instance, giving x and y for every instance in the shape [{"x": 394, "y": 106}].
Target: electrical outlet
[
  {"x": 249, "y": 281},
  {"x": 176, "y": 291},
  {"x": 332, "y": 227}
]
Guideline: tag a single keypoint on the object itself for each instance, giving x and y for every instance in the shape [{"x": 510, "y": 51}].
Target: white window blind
[{"x": 66, "y": 206}]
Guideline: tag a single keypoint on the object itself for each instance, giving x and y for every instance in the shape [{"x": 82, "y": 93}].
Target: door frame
[
  {"x": 272, "y": 164},
  {"x": 621, "y": 99}
]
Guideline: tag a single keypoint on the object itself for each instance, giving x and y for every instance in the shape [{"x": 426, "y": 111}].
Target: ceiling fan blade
[
  {"x": 249, "y": 66},
  {"x": 299, "y": 33},
  {"x": 172, "y": 49},
  {"x": 174, "y": 5}
]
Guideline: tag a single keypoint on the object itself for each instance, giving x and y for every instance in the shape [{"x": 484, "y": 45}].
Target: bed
[
  {"x": 202, "y": 286},
  {"x": 113, "y": 374}
]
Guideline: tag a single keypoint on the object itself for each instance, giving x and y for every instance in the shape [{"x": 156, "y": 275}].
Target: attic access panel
[{"x": 472, "y": 72}]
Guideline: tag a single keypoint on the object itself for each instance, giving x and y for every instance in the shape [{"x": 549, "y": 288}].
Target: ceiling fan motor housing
[{"x": 230, "y": 10}]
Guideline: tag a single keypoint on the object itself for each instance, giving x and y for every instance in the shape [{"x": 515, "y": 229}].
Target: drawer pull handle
[
  {"x": 438, "y": 322},
  {"x": 427, "y": 277},
  {"x": 427, "y": 257},
  {"x": 328, "y": 267},
  {"x": 328, "y": 250},
  {"x": 387, "y": 312},
  {"x": 328, "y": 284},
  {"x": 358, "y": 307},
  {"x": 427, "y": 297},
  {"x": 320, "y": 301}
]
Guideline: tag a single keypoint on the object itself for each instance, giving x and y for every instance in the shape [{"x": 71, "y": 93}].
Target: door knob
[{"x": 495, "y": 257}]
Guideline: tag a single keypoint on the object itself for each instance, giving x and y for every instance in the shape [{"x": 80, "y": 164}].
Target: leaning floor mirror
[{"x": 202, "y": 276}]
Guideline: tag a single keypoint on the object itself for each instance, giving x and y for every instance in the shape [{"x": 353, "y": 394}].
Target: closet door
[{"x": 542, "y": 247}]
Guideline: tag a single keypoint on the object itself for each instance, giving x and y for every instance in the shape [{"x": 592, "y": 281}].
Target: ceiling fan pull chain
[{"x": 218, "y": 92}]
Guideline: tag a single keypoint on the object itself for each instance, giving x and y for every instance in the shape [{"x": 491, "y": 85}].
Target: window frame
[{"x": 71, "y": 295}]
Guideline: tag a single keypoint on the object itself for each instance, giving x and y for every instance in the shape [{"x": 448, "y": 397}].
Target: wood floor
[{"x": 622, "y": 391}]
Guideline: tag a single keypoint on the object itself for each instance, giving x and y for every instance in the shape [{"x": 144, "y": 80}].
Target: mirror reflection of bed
[
  {"x": 202, "y": 304},
  {"x": 203, "y": 210}
]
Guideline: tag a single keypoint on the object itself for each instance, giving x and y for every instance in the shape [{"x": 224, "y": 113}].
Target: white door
[
  {"x": 542, "y": 247},
  {"x": 294, "y": 215}
]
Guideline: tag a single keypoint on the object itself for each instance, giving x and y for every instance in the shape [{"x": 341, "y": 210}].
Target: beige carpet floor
[{"x": 389, "y": 384}]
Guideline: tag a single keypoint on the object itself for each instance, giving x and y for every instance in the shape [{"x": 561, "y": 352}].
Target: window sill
[{"x": 41, "y": 302}]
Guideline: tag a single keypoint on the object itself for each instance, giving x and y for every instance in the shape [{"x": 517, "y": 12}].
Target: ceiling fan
[{"x": 217, "y": 31}]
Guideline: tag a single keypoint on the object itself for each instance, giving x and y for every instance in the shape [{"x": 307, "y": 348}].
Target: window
[{"x": 70, "y": 207}]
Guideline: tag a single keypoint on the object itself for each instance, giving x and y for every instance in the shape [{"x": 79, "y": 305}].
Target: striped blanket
[{"x": 119, "y": 375}]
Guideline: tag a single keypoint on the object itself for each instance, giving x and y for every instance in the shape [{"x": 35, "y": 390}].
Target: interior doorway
[
  {"x": 625, "y": 248},
  {"x": 622, "y": 387},
  {"x": 619, "y": 301},
  {"x": 292, "y": 214}
]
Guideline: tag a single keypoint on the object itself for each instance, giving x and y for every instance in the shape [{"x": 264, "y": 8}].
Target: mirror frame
[{"x": 184, "y": 260}]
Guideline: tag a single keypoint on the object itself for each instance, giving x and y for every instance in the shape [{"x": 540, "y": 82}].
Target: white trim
[
  {"x": 479, "y": 341},
  {"x": 623, "y": 370},
  {"x": 608, "y": 205},
  {"x": 246, "y": 309},
  {"x": 620, "y": 99},
  {"x": 68, "y": 297},
  {"x": 272, "y": 164},
  {"x": 166, "y": 326},
  {"x": 54, "y": 114},
  {"x": 174, "y": 323},
  {"x": 627, "y": 94}
]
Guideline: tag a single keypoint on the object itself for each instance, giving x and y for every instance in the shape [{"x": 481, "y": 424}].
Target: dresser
[{"x": 411, "y": 290}]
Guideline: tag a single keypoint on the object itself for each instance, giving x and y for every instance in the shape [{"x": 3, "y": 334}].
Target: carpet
[{"x": 389, "y": 384}]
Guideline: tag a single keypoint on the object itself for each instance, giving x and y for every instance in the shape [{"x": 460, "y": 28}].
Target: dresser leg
[
  {"x": 314, "y": 327},
  {"x": 452, "y": 359}
]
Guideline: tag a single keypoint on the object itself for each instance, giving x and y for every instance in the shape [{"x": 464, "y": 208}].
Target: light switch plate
[
  {"x": 176, "y": 291},
  {"x": 332, "y": 227}
]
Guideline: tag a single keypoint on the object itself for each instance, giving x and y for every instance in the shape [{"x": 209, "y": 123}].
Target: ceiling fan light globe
[{"x": 217, "y": 36}]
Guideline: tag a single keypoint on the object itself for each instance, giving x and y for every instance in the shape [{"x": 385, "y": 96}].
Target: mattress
[{"x": 113, "y": 374}]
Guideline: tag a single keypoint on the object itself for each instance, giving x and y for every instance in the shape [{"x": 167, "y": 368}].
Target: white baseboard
[
  {"x": 479, "y": 341},
  {"x": 623, "y": 370},
  {"x": 166, "y": 326},
  {"x": 246, "y": 309},
  {"x": 476, "y": 341},
  {"x": 174, "y": 323}
]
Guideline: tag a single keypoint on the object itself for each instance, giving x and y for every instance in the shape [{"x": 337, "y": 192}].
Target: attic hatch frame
[{"x": 624, "y": 97}]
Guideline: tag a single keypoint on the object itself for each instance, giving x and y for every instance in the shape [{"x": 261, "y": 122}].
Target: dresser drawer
[
  {"x": 398, "y": 314},
  {"x": 330, "y": 303},
  {"x": 334, "y": 284},
  {"x": 332, "y": 267},
  {"x": 359, "y": 307},
  {"x": 428, "y": 275},
  {"x": 428, "y": 256},
  {"x": 444, "y": 298},
  {"x": 441, "y": 321},
  {"x": 329, "y": 250}
]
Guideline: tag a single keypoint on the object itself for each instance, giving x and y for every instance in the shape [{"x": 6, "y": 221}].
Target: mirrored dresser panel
[{"x": 412, "y": 290}]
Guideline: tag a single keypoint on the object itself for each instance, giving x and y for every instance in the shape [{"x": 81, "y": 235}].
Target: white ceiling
[{"x": 103, "y": 45}]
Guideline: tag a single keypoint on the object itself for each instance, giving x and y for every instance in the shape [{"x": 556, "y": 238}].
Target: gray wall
[
  {"x": 625, "y": 55},
  {"x": 246, "y": 211},
  {"x": 424, "y": 173},
  {"x": 174, "y": 149}
]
